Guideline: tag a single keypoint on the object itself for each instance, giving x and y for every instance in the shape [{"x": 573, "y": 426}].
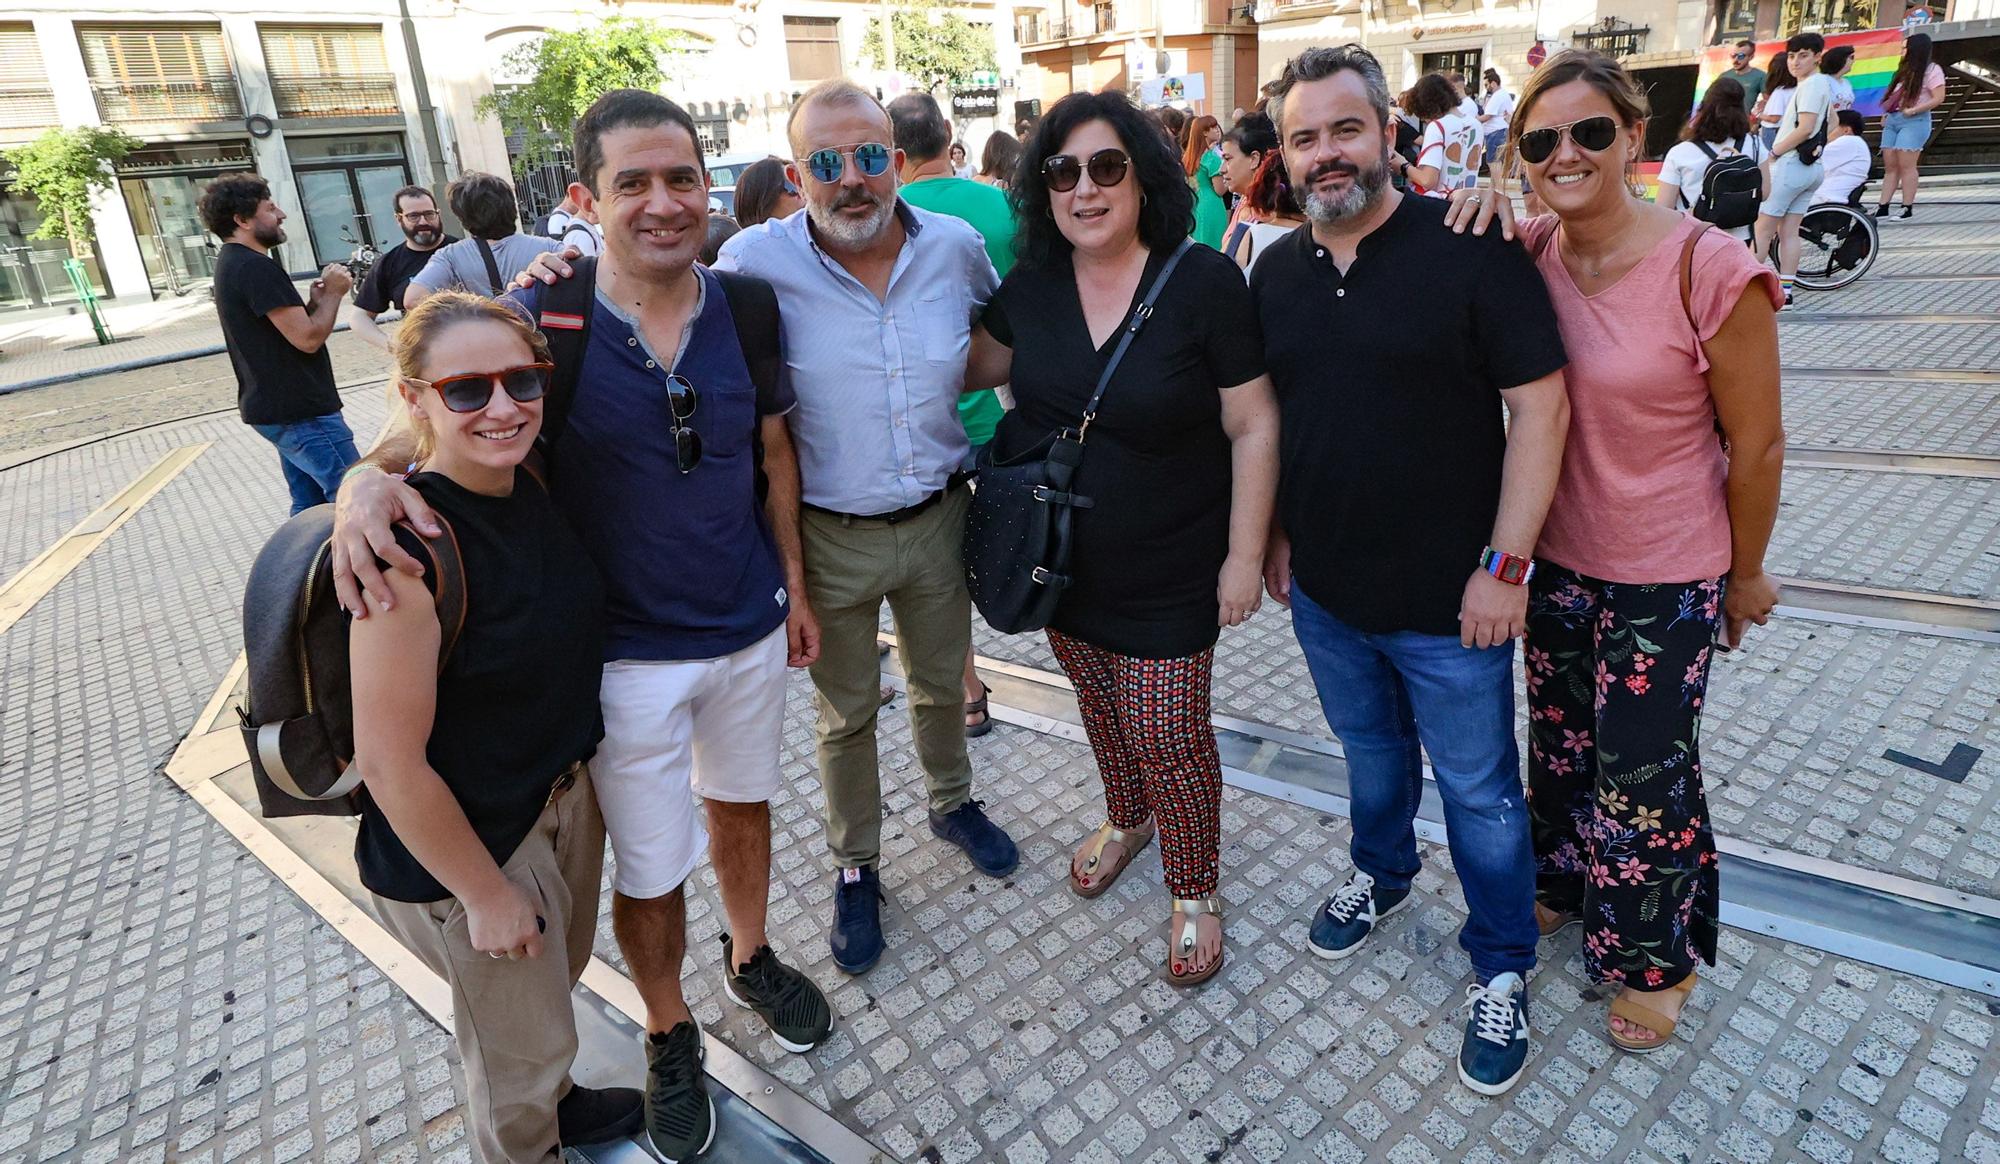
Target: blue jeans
[
  {"x": 1385, "y": 693},
  {"x": 314, "y": 453}
]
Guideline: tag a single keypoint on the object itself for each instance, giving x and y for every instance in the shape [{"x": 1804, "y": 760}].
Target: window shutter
[
  {"x": 160, "y": 72},
  {"x": 25, "y": 99}
]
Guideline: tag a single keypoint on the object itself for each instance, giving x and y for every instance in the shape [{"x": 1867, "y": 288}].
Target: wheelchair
[{"x": 1837, "y": 244}]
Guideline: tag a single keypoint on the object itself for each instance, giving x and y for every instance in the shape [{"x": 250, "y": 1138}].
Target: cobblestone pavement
[{"x": 163, "y": 998}]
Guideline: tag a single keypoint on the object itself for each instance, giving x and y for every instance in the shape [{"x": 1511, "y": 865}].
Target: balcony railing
[
  {"x": 1612, "y": 38},
  {"x": 212, "y": 98},
  {"x": 361, "y": 95},
  {"x": 24, "y": 107}
]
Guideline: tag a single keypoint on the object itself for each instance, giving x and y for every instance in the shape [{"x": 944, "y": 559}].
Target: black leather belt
[{"x": 896, "y": 516}]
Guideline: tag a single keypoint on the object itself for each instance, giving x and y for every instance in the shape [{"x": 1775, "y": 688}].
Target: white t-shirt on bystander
[
  {"x": 1448, "y": 145},
  {"x": 1686, "y": 165},
  {"x": 1499, "y": 107},
  {"x": 1846, "y": 160}
]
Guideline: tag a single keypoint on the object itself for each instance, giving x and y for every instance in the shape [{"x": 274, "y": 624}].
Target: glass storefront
[
  {"x": 347, "y": 191},
  {"x": 31, "y": 270},
  {"x": 161, "y": 185}
]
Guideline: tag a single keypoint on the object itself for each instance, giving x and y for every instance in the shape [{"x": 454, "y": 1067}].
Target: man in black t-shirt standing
[
  {"x": 1407, "y": 515},
  {"x": 423, "y": 232},
  {"x": 277, "y": 342}
]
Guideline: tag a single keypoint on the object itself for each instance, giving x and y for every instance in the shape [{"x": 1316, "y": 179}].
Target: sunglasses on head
[
  {"x": 1592, "y": 133},
  {"x": 474, "y": 390},
  {"x": 827, "y": 165},
  {"x": 681, "y": 399},
  {"x": 1106, "y": 167}
]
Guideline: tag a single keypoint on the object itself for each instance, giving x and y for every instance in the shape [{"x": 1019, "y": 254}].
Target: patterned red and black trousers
[{"x": 1148, "y": 723}]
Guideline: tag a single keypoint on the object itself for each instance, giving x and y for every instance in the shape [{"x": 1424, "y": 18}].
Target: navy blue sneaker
[
  {"x": 857, "y": 920},
  {"x": 990, "y": 848},
  {"x": 1495, "y": 1051},
  {"x": 1347, "y": 918}
]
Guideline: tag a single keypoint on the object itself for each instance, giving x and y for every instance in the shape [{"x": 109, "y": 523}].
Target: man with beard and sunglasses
[
  {"x": 655, "y": 460},
  {"x": 276, "y": 341},
  {"x": 878, "y": 302},
  {"x": 423, "y": 232},
  {"x": 1407, "y": 512}
]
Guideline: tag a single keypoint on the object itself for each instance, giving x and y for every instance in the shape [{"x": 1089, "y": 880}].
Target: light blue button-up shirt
[{"x": 877, "y": 381}]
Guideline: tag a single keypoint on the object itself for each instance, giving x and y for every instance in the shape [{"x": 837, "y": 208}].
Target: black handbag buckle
[{"x": 1043, "y": 576}]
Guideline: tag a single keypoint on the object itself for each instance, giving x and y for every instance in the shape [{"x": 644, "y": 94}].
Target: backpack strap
[
  {"x": 575, "y": 225},
  {"x": 1703, "y": 147},
  {"x": 753, "y": 304},
  {"x": 492, "y": 266},
  {"x": 445, "y": 575},
  {"x": 567, "y": 307}
]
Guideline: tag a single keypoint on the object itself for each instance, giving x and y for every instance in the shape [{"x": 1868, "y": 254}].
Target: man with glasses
[
  {"x": 423, "y": 232},
  {"x": 878, "y": 300},
  {"x": 655, "y": 460},
  {"x": 1746, "y": 74},
  {"x": 1407, "y": 513}
]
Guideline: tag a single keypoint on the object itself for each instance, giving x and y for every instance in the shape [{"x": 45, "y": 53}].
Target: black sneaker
[
  {"x": 599, "y": 1115},
  {"x": 788, "y": 1001},
  {"x": 857, "y": 919},
  {"x": 1882, "y": 211},
  {"x": 680, "y": 1117},
  {"x": 991, "y": 849},
  {"x": 1907, "y": 212}
]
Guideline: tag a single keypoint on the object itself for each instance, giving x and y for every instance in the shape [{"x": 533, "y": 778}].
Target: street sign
[
  {"x": 1537, "y": 55},
  {"x": 975, "y": 103}
]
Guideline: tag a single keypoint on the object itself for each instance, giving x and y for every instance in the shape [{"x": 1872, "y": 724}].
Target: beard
[
  {"x": 1364, "y": 191},
  {"x": 268, "y": 236},
  {"x": 423, "y": 237},
  {"x": 847, "y": 232}
]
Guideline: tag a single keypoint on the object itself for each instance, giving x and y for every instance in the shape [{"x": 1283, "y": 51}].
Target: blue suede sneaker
[
  {"x": 857, "y": 919},
  {"x": 989, "y": 846},
  {"x": 1495, "y": 1051},
  {"x": 1347, "y": 918}
]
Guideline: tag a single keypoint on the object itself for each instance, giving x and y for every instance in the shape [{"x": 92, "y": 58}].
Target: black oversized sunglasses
[
  {"x": 472, "y": 391},
  {"x": 681, "y": 399},
  {"x": 1106, "y": 168},
  {"x": 1592, "y": 133}
]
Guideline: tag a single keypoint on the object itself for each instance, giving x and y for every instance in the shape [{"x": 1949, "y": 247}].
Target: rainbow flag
[{"x": 1876, "y": 52}]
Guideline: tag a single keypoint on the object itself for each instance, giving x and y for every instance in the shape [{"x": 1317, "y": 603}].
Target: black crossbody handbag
[{"x": 1021, "y": 531}]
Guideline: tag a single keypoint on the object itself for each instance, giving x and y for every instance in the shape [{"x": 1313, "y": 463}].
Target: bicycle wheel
[{"x": 1837, "y": 245}]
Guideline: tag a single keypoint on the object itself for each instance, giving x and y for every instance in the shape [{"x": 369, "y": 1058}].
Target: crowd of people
[{"x": 672, "y": 480}]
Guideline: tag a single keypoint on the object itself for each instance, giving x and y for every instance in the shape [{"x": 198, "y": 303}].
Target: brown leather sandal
[
  {"x": 1636, "y": 1012},
  {"x": 1132, "y": 840},
  {"x": 1551, "y": 922},
  {"x": 1180, "y": 949}
]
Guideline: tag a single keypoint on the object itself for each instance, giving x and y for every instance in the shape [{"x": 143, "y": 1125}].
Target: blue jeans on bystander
[
  {"x": 1384, "y": 694},
  {"x": 314, "y": 453}
]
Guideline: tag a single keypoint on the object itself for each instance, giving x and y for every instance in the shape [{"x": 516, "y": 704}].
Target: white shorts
[{"x": 677, "y": 730}]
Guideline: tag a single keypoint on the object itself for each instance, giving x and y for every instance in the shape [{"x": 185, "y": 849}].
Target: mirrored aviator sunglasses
[
  {"x": 472, "y": 392},
  {"x": 1594, "y": 134},
  {"x": 827, "y": 165},
  {"x": 1106, "y": 167}
]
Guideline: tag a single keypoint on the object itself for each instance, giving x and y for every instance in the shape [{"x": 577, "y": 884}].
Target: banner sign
[
  {"x": 1876, "y": 52},
  {"x": 966, "y": 103}
]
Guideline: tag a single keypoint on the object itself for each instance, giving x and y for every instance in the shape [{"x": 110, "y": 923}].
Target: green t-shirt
[
  {"x": 986, "y": 208},
  {"x": 1753, "y": 85}
]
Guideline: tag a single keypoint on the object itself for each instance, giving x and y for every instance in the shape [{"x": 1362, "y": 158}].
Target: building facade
[
  {"x": 1073, "y": 46},
  {"x": 339, "y": 111}
]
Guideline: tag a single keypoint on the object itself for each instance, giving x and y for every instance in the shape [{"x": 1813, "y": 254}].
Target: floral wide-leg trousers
[{"x": 1616, "y": 675}]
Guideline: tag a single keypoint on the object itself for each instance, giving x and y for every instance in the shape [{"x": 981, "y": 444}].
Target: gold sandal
[
  {"x": 1645, "y": 1016},
  {"x": 1179, "y": 950},
  {"x": 1108, "y": 835}
]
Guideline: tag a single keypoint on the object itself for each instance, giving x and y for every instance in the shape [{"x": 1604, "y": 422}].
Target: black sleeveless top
[{"x": 517, "y": 702}]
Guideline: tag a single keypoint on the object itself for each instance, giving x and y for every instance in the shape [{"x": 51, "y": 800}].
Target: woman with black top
[
  {"x": 1180, "y": 462},
  {"x": 480, "y": 837}
]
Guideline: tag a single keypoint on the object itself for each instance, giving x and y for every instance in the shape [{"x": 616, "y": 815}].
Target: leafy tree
[
  {"x": 570, "y": 70},
  {"x": 62, "y": 169},
  {"x": 933, "y": 43}
]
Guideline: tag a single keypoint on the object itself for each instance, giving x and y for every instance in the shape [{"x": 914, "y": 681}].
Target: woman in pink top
[{"x": 1653, "y": 550}]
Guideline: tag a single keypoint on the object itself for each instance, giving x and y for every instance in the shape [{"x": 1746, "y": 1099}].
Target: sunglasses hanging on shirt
[{"x": 681, "y": 399}]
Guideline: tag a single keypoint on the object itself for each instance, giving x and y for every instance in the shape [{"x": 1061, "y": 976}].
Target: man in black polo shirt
[
  {"x": 1407, "y": 515},
  {"x": 276, "y": 341},
  {"x": 423, "y": 232}
]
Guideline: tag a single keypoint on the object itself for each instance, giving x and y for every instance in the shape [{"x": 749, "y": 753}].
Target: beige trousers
[
  {"x": 516, "y": 1033},
  {"x": 851, "y": 567}
]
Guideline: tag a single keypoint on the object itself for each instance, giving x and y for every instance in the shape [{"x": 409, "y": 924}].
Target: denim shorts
[
  {"x": 1793, "y": 184},
  {"x": 1905, "y": 133}
]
